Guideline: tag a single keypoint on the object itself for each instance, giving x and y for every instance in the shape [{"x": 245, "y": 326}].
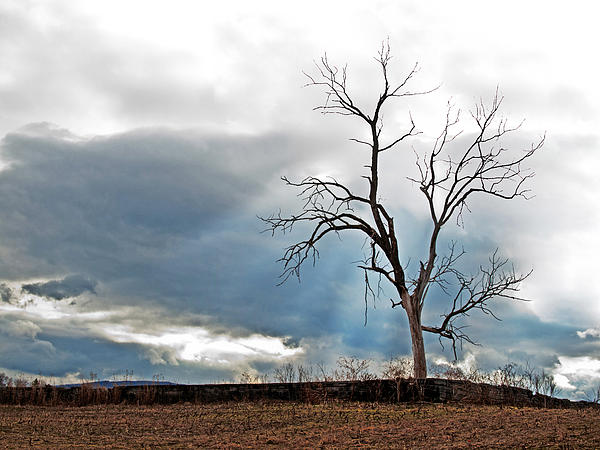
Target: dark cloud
[
  {"x": 165, "y": 223},
  {"x": 70, "y": 286},
  {"x": 157, "y": 218},
  {"x": 121, "y": 202}
]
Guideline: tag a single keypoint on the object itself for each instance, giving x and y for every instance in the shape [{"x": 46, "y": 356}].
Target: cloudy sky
[{"x": 141, "y": 140}]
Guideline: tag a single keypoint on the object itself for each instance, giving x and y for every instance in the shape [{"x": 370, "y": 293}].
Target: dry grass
[{"x": 298, "y": 425}]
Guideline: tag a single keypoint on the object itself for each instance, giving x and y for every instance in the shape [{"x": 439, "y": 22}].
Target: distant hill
[{"x": 110, "y": 384}]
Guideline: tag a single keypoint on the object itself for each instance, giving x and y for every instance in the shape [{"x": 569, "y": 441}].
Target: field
[{"x": 281, "y": 424}]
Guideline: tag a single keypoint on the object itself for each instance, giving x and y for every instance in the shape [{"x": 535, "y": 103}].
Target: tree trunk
[
  {"x": 418, "y": 348},
  {"x": 416, "y": 336}
]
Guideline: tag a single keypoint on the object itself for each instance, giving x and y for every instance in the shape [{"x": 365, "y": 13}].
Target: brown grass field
[{"x": 298, "y": 425}]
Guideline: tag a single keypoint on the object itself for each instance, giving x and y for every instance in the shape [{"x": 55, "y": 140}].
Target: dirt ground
[{"x": 285, "y": 424}]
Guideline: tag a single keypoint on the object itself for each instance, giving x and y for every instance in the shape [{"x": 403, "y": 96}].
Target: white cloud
[
  {"x": 160, "y": 344},
  {"x": 563, "y": 382},
  {"x": 580, "y": 366},
  {"x": 467, "y": 364},
  {"x": 36, "y": 308},
  {"x": 579, "y": 373},
  {"x": 593, "y": 332},
  {"x": 200, "y": 345}
]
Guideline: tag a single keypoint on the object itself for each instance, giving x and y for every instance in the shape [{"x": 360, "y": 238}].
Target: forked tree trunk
[
  {"x": 418, "y": 348},
  {"x": 416, "y": 336}
]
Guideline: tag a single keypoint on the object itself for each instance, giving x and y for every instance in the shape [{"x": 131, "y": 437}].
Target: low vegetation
[
  {"x": 355, "y": 369},
  {"x": 20, "y": 390},
  {"x": 297, "y": 425}
]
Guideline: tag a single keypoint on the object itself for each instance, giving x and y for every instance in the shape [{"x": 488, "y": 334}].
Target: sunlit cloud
[
  {"x": 592, "y": 332},
  {"x": 199, "y": 345},
  {"x": 577, "y": 373},
  {"x": 563, "y": 382},
  {"x": 29, "y": 315},
  {"x": 43, "y": 308}
]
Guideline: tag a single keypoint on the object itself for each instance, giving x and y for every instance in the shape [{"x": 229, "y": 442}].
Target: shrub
[{"x": 398, "y": 367}]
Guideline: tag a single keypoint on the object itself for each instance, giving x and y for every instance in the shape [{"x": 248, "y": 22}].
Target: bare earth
[{"x": 285, "y": 424}]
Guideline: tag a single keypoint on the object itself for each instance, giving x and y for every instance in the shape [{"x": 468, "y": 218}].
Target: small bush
[
  {"x": 594, "y": 395},
  {"x": 246, "y": 377},
  {"x": 398, "y": 367},
  {"x": 353, "y": 369},
  {"x": 285, "y": 373}
]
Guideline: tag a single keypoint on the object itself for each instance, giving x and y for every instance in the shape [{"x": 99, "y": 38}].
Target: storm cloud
[
  {"x": 155, "y": 219},
  {"x": 163, "y": 224},
  {"x": 129, "y": 236},
  {"x": 70, "y": 286}
]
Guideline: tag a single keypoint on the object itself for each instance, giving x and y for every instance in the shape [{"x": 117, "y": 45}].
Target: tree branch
[{"x": 498, "y": 280}]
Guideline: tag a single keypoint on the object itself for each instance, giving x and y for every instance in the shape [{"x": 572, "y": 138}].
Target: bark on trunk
[
  {"x": 418, "y": 348},
  {"x": 416, "y": 336}
]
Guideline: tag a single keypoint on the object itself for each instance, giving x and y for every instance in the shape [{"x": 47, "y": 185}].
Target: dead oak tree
[{"x": 446, "y": 179}]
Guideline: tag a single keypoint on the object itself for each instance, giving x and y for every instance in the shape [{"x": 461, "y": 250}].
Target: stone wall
[{"x": 430, "y": 390}]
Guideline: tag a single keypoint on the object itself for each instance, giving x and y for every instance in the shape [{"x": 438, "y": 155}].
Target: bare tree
[{"x": 447, "y": 179}]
